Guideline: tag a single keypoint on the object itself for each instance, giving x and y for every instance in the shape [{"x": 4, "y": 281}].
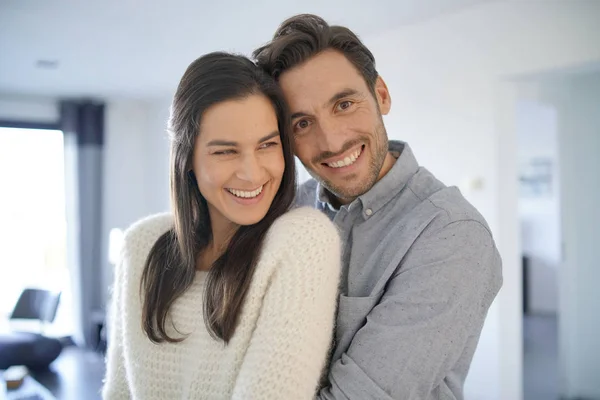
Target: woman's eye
[
  {"x": 268, "y": 144},
  {"x": 224, "y": 152}
]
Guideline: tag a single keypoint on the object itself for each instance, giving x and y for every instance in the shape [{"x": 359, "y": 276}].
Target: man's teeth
[
  {"x": 346, "y": 161},
  {"x": 244, "y": 194}
]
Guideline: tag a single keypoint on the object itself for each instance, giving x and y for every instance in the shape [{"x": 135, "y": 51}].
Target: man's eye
[
  {"x": 303, "y": 124},
  {"x": 344, "y": 105}
]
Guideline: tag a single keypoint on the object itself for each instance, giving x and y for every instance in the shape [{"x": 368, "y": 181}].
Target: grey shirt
[{"x": 420, "y": 271}]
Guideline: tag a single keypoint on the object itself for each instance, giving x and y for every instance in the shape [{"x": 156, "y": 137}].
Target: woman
[{"x": 231, "y": 296}]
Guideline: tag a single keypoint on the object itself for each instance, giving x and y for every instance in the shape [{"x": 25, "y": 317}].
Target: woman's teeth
[
  {"x": 346, "y": 161},
  {"x": 244, "y": 194}
]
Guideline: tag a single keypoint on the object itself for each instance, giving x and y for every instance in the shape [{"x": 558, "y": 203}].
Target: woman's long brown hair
[{"x": 171, "y": 264}]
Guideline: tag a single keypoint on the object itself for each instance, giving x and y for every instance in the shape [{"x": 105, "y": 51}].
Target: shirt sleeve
[
  {"x": 289, "y": 346},
  {"x": 115, "y": 381},
  {"x": 436, "y": 301}
]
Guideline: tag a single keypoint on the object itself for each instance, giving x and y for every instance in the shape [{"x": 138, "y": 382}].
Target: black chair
[{"x": 32, "y": 349}]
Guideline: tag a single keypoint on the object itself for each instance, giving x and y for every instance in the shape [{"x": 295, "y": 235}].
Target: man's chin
[
  {"x": 344, "y": 191},
  {"x": 343, "y": 194}
]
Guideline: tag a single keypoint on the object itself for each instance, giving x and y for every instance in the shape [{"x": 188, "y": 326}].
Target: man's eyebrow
[
  {"x": 340, "y": 95},
  {"x": 299, "y": 114}
]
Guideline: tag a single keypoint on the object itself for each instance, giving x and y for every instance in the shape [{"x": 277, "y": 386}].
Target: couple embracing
[{"x": 370, "y": 281}]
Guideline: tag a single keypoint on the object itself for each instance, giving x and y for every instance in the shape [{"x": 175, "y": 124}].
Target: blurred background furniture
[
  {"x": 30, "y": 389},
  {"x": 32, "y": 349}
]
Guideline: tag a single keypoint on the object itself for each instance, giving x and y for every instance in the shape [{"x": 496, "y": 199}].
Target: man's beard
[{"x": 353, "y": 189}]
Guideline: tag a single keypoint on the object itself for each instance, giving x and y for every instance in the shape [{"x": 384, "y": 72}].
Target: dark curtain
[{"x": 82, "y": 123}]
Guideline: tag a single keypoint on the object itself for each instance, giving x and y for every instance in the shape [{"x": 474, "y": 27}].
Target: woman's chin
[{"x": 246, "y": 218}]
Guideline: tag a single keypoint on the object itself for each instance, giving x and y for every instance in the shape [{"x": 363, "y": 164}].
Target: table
[{"x": 29, "y": 390}]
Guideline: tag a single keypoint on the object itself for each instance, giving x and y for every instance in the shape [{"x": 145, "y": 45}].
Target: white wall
[
  {"x": 28, "y": 108},
  {"x": 449, "y": 102},
  {"x": 537, "y": 137},
  {"x": 136, "y": 165}
]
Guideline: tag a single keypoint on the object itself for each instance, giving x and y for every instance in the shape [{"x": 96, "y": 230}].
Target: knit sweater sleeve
[
  {"x": 115, "y": 382},
  {"x": 289, "y": 346}
]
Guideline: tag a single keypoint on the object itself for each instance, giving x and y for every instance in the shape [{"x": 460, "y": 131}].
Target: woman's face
[{"x": 238, "y": 159}]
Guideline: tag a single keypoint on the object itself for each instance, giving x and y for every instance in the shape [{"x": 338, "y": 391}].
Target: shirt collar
[{"x": 387, "y": 187}]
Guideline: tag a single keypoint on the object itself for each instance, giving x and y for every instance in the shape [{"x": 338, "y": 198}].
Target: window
[{"x": 32, "y": 214}]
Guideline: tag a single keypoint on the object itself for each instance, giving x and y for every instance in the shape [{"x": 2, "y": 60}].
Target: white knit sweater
[{"x": 280, "y": 346}]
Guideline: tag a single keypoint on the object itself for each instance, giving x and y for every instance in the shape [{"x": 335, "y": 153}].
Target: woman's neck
[{"x": 222, "y": 232}]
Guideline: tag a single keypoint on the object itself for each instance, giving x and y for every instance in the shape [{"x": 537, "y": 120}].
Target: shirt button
[{"x": 368, "y": 211}]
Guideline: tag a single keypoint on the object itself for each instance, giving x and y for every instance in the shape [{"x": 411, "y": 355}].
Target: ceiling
[{"x": 140, "y": 49}]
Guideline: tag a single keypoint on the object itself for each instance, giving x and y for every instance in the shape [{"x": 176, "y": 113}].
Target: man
[{"x": 420, "y": 265}]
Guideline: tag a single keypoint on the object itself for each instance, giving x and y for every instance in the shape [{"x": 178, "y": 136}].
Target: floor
[
  {"x": 76, "y": 375},
  {"x": 540, "y": 358}
]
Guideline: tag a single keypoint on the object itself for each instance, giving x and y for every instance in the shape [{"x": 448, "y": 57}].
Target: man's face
[{"x": 337, "y": 123}]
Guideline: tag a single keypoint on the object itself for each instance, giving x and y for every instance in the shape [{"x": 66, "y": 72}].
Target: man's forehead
[{"x": 320, "y": 78}]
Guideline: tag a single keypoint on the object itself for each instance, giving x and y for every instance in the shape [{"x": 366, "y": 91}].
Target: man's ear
[{"x": 382, "y": 94}]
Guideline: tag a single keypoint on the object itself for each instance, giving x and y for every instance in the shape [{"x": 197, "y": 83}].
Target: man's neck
[{"x": 336, "y": 202}]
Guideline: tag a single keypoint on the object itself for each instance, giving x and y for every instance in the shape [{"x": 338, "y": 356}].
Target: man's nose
[{"x": 330, "y": 135}]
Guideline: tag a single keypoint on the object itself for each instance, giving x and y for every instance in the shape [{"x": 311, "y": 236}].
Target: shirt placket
[{"x": 344, "y": 220}]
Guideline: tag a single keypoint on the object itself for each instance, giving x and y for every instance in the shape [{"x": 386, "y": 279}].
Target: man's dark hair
[{"x": 303, "y": 36}]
